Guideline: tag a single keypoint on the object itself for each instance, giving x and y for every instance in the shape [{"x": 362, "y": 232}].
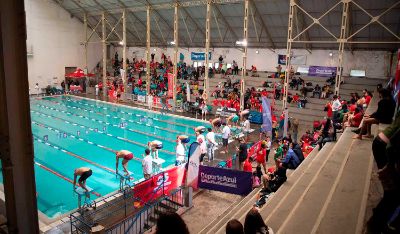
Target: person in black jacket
[
  {"x": 384, "y": 114},
  {"x": 297, "y": 150}
]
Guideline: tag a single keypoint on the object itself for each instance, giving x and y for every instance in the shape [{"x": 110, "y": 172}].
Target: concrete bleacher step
[
  {"x": 312, "y": 198},
  {"x": 275, "y": 211},
  {"x": 221, "y": 220},
  {"x": 345, "y": 210},
  {"x": 293, "y": 175}
]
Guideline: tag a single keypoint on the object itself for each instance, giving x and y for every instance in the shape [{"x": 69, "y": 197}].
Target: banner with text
[
  {"x": 170, "y": 84},
  {"x": 199, "y": 56},
  {"x": 193, "y": 165},
  {"x": 321, "y": 71},
  {"x": 225, "y": 180}
]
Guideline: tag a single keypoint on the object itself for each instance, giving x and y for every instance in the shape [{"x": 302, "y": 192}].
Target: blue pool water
[{"x": 84, "y": 133}]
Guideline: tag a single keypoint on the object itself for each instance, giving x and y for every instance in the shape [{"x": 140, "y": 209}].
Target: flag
[
  {"x": 193, "y": 165},
  {"x": 187, "y": 92},
  {"x": 266, "y": 115}
]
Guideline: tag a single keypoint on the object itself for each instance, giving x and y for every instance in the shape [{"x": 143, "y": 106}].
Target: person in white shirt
[
  {"x": 97, "y": 89},
  {"x": 211, "y": 144},
  {"x": 147, "y": 164},
  {"x": 203, "y": 146},
  {"x": 150, "y": 101},
  {"x": 180, "y": 152},
  {"x": 246, "y": 129},
  {"x": 336, "y": 106},
  {"x": 226, "y": 132},
  {"x": 37, "y": 89}
]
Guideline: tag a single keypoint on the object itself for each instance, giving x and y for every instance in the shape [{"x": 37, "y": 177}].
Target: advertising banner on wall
[
  {"x": 321, "y": 71},
  {"x": 170, "y": 84},
  {"x": 199, "y": 56},
  {"x": 225, "y": 180},
  {"x": 295, "y": 59}
]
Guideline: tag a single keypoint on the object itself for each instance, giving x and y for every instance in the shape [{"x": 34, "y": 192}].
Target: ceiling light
[
  {"x": 121, "y": 43},
  {"x": 172, "y": 42},
  {"x": 330, "y": 54},
  {"x": 154, "y": 49},
  {"x": 241, "y": 43},
  {"x": 257, "y": 51}
]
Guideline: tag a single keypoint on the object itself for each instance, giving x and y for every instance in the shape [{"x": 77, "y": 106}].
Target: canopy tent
[{"x": 79, "y": 73}]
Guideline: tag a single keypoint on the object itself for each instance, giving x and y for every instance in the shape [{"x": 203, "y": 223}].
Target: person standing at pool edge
[
  {"x": 83, "y": 173},
  {"x": 126, "y": 157}
]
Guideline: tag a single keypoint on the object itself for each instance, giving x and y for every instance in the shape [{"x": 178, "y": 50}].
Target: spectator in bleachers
[
  {"x": 336, "y": 107},
  {"x": 261, "y": 156},
  {"x": 316, "y": 91},
  {"x": 234, "y": 227},
  {"x": 254, "y": 223},
  {"x": 170, "y": 222},
  {"x": 278, "y": 71},
  {"x": 272, "y": 181},
  {"x": 325, "y": 135},
  {"x": 386, "y": 151},
  {"x": 383, "y": 114},
  {"x": 290, "y": 159},
  {"x": 354, "y": 120}
]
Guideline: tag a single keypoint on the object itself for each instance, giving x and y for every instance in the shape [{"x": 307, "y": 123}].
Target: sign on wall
[
  {"x": 198, "y": 56},
  {"x": 321, "y": 71},
  {"x": 295, "y": 59},
  {"x": 225, "y": 180}
]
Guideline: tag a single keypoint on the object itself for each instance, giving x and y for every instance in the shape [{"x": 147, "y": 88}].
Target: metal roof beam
[
  {"x": 256, "y": 12},
  {"x": 170, "y": 28},
  {"x": 105, "y": 10},
  {"x": 226, "y": 22}
]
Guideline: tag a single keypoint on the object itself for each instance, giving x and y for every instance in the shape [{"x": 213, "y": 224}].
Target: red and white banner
[
  {"x": 161, "y": 184},
  {"x": 170, "y": 84}
]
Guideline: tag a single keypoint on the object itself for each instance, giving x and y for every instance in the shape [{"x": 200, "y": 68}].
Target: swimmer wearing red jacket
[{"x": 126, "y": 157}]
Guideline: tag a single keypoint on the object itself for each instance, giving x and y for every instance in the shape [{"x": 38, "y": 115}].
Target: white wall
[
  {"x": 376, "y": 63},
  {"x": 55, "y": 39}
]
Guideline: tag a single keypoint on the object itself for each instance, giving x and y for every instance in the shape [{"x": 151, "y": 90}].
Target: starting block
[
  {"x": 124, "y": 180},
  {"x": 84, "y": 200},
  {"x": 157, "y": 164}
]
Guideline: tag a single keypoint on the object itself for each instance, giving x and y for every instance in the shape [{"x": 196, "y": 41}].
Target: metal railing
[
  {"x": 122, "y": 203},
  {"x": 149, "y": 214}
]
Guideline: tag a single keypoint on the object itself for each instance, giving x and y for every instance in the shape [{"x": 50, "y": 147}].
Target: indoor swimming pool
[{"x": 71, "y": 132}]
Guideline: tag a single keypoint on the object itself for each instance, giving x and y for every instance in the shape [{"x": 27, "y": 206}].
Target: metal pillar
[
  {"x": 176, "y": 40},
  {"x": 148, "y": 80},
  {"x": 288, "y": 60},
  {"x": 342, "y": 40},
  {"x": 208, "y": 31},
  {"x": 85, "y": 26},
  {"x": 124, "y": 80},
  {"x": 244, "y": 57},
  {"x": 104, "y": 38},
  {"x": 16, "y": 148}
]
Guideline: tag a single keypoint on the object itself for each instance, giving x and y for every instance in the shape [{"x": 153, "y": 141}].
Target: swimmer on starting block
[
  {"x": 216, "y": 124},
  {"x": 126, "y": 157},
  {"x": 234, "y": 118},
  {"x": 154, "y": 146},
  {"x": 83, "y": 173}
]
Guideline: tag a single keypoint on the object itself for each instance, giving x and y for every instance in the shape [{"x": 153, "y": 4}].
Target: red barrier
[{"x": 253, "y": 149}]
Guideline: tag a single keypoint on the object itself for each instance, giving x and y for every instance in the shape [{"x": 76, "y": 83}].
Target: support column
[
  {"x": 16, "y": 148},
  {"x": 124, "y": 80},
  {"x": 176, "y": 40},
  {"x": 244, "y": 57},
  {"x": 148, "y": 60},
  {"x": 208, "y": 31},
  {"x": 288, "y": 62},
  {"x": 86, "y": 41},
  {"x": 342, "y": 40},
  {"x": 103, "y": 29}
]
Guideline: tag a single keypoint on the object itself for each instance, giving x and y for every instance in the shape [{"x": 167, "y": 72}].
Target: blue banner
[
  {"x": 225, "y": 180},
  {"x": 199, "y": 56},
  {"x": 266, "y": 115}
]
